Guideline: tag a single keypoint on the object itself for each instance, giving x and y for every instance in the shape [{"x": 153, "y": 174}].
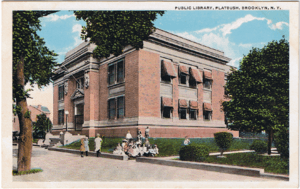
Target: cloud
[
  {"x": 278, "y": 25},
  {"x": 77, "y": 41},
  {"x": 76, "y": 28},
  {"x": 207, "y": 30},
  {"x": 226, "y": 29},
  {"x": 248, "y": 45},
  {"x": 55, "y": 17},
  {"x": 235, "y": 62}
]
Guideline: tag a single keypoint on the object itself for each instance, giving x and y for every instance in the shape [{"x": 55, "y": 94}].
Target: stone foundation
[{"x": 155, "y": 132}]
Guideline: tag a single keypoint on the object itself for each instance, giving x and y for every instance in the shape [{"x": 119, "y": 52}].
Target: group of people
[
  {"x": 129, "y": 146},
  {"x": 135, "y": 148},
  {"x": 84, "y": 147}
]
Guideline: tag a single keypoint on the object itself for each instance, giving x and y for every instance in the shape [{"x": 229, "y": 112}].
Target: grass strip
[
  {"x": 31, "y": 171},
  {"x": 271, "y": 164}
]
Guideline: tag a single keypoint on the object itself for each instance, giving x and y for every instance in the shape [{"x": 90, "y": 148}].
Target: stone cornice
[{"x": 190, "y": 50}]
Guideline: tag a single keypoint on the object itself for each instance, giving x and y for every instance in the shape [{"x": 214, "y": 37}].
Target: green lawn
[
  {"x": 167, "y": 146},
  {"x": 272, "y": 164}
]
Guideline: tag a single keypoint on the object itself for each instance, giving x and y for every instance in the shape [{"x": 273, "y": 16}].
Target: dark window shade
[
  {"x": 167, "y": 112},
  {"x": 182, "y": 113},
  {"x": 193, "y": 114},
  {"x": 111, "y": 109},
  {"x": 61, "y": 117},
  {"x": 120, "y": 105},
  {"x": 120, "y": 71},
  {"x": 61, "y": 93},
  {"x": 111, "y": 75}
]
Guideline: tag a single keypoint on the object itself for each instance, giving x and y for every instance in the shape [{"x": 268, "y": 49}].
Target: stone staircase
[{"x": 54, "y": 141}]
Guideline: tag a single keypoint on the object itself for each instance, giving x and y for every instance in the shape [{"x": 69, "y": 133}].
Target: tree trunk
[
  {"x": 270, "y": 132},
  {"x": 25, "y": 142}
]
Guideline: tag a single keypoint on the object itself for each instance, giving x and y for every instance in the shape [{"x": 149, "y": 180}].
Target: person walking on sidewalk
[
  {"x": 82, "y": 149},
  {"x": 98, "y": 141},
  {"x": 86, "y": 146}
]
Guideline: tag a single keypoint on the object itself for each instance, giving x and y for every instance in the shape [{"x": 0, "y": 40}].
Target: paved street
[{"x": 60, "y": 166}]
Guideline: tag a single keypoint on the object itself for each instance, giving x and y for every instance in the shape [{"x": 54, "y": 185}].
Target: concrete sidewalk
[{"x": 60, "y": 166}]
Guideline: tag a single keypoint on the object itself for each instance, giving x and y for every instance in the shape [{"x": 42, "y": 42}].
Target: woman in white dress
[{"x": 86, "y": 146}]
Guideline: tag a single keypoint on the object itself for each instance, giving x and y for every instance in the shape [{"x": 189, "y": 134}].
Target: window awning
[
  {"x": 208, "y": 75},
  {"x": 184, "y": 69},
  {"x": 207, "y": 106},
  {"x": 169, "y": 68},
  {"x": 167, "y": 102},
  {"x": 196, "y": 75},
  {"x": 183, "y": 103},
  {"x": 193, "y": 104}
]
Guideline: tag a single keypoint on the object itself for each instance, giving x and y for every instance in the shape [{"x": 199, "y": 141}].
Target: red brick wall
[
  {"x": 217, "y": 95},
  {"x": 103, "y": 96},
  {"x": 200, "y": 98},
  {"x": 91, "y": 97},
  {"x": 163, "y": 132},
  {"x": 175, "y": 93},
  {"x": 131, "y": 84},
  {"x": 149, "y": 84},
  {"x": 87, "y": 103},
  {"x": 69, "y": 105},
  {"x": 55, "y": 105}
]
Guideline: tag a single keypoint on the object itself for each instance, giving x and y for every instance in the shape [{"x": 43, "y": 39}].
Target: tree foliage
[
  {"x": 39, "y": 61},
  {"x": 111, "y": 31},
  {"x": 42, "y": 125},
  {"x": 259, "y": 90}
]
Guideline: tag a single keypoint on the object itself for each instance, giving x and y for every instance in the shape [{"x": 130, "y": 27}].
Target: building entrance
[{"x": 79, "y": 116}]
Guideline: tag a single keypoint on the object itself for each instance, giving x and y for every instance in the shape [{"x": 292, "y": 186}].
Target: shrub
[
  {"x": 223, "y": 140},
  {"x": 194, "y": 152},
  {"x": 282, "y": 142},
  {"x": 259, "y": 146}
]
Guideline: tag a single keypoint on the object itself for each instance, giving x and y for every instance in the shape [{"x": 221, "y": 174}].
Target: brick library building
[{"x": 173, "y": 85}]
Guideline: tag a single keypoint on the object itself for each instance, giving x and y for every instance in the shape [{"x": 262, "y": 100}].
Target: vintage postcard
[{"x": 150, "y": 94}]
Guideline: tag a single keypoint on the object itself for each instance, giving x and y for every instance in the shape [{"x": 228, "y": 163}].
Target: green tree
[
  {"x": 42, "y": 126},
  {"x": 32, "y": 63},
  {"x": 259, "y": 91},
  {"x": 111, "y": 31}
]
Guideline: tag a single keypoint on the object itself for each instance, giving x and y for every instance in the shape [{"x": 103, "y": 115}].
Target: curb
[
  {"x": 213, "y": 167},
  {"x": 104, "y": 155}
]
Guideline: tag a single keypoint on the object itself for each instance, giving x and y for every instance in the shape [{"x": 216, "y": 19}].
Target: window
[
  {"x": 116, "y": 107},
  {"x": 182, "y": 110},
  {"x": 183, "y": 74},
  {"x": 207, "y": 84},
  {"x": 192, "y": 82},
  {"x": 80, "y": 83},
  {"x": 111, "y": 109},
  {"x": 164, "y": 76},
  {"x": 182, "y": 113},
  {"x": 120, "y": 107},
  {"x": 207, "y": 115},
  {"x": 182, "y": 79},
  {"x": 116, "y": 73},
  {"x": 193, "y": 114},
  {"x": 120, "y": 72},
  {"x": 61, "y": 92},
  {"x": 166, "y": 112},
  {"x": 61, "y": 116},
  {"x": 166, "y": 107}
]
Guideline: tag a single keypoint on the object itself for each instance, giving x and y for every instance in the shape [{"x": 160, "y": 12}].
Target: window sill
[
  {"x": 205, "y": 89},
  {"x": 116, "y": 85},
  {"x": 185, "y": 86}
]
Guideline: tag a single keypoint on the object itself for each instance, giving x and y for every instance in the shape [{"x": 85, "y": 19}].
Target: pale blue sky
[{"x": 234, "y": 32}]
